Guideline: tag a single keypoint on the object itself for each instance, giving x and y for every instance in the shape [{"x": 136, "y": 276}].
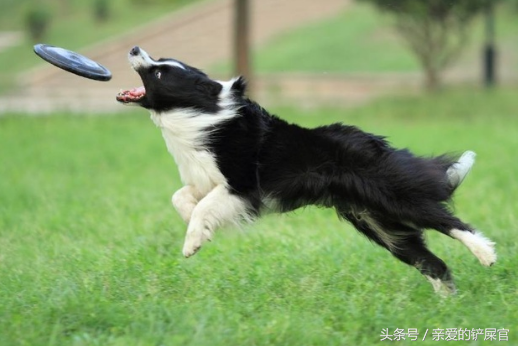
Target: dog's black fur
[
  {"x": 342, "y": 167},
  {"x": 388, "y": 194}
]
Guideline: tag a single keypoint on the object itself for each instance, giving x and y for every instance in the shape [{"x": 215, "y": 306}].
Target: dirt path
[{"x": 9, "y": 38}]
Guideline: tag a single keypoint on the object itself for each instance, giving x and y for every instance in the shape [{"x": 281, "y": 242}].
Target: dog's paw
[
  {"x": 184, "y": 203},
  {"x": 194, "y": 239},
  {"x": 486, "y": 253},
  {"x": 480, "y": 246},
  {"x": 443, "y": 288}
]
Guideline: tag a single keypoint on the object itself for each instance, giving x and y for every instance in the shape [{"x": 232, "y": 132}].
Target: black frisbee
[{"x": 72, "y": 62}]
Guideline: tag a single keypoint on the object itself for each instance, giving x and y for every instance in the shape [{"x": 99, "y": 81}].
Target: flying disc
[{"x": 72, "y": 62}]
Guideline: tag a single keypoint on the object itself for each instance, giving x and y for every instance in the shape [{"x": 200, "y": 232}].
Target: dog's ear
[
  {"x": 209, "y": 87},
  {"x": 239, "y": 87}
]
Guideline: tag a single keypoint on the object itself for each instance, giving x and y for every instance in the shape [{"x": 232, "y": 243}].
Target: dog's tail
[{"x": 457, "y": 172}]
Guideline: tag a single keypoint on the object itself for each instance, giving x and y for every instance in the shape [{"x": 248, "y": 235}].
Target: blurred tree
[
  {"x": 242, "y": 39},
  {"x": 489, "y": 54},
  {"x": 37, "y": 20},
  {"x": 435, "y": 30},
  {"x": 101, "y": 10}
]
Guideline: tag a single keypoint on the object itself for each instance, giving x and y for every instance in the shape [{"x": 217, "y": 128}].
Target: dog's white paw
[
  {"x": 442, "y": 288},
  {"x": 194, "y": 239},
  {"x": 184, "y": 202},
  {"x": 482, "y": 247},
  {"x": 486, "y": 253}
]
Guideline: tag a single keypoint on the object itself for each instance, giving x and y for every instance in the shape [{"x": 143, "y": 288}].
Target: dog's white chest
[
  {"x": 197, "y": 167},
  {"x": 196, "y": 164}
]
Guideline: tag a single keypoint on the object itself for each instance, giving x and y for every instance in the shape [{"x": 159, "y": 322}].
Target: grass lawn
[
  {"x": 90, "y": 246},
  {"x": 356, "y": 40}
]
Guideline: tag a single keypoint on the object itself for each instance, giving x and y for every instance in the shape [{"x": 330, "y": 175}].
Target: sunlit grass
[{"x": 90, "y": 245}]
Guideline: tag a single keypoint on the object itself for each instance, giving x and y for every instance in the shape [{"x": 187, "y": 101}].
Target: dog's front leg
[
  {"x": 184, "y": 201},
  {"x": 219, "y": 207}
]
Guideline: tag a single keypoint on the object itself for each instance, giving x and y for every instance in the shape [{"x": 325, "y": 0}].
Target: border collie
[{"x": 237, "y": 162}]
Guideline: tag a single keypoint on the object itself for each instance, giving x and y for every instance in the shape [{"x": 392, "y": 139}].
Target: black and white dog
[{"x": 237, "y": 161}]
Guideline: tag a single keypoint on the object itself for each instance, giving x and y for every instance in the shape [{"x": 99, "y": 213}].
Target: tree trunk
[
  {"x": 242, "y": 38},
  {"x": 432, "y": 80}
]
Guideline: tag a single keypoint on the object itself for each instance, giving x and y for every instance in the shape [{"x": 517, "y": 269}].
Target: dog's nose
[{"x": 135, "y": 51}]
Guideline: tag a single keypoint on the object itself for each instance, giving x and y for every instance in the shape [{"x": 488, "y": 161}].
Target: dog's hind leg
[
  {"x": 439, "y": 218},
  {"x": 184, "y": 201},
  {"x": 406, "y": 244},
  {"x": 368, "y": 226},
  {"x": 480, "y": 246},
  {"x": 218, "y": 208},
  {"x": 413, "y": 251}
]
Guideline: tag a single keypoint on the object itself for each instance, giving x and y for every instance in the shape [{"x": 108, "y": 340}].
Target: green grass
[
  {"x": 90, "y": 247},
  {"x": 357, "y": 40}
]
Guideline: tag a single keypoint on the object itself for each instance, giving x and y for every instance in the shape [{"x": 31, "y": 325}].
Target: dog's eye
[{"x": 158, "y": 74}]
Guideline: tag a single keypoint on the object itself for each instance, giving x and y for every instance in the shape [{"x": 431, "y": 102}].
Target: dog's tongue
[
  {"x": 137, "y": 91},
  {"x": 131, "y": 95}
]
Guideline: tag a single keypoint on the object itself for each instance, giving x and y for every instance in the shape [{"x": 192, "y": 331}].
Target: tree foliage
[
  {"x": 37, "y": 20},
  {"x": 435, "y": 30}
]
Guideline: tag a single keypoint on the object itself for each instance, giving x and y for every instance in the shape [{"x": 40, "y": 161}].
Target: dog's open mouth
[{"x": 132, "y": 95}]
